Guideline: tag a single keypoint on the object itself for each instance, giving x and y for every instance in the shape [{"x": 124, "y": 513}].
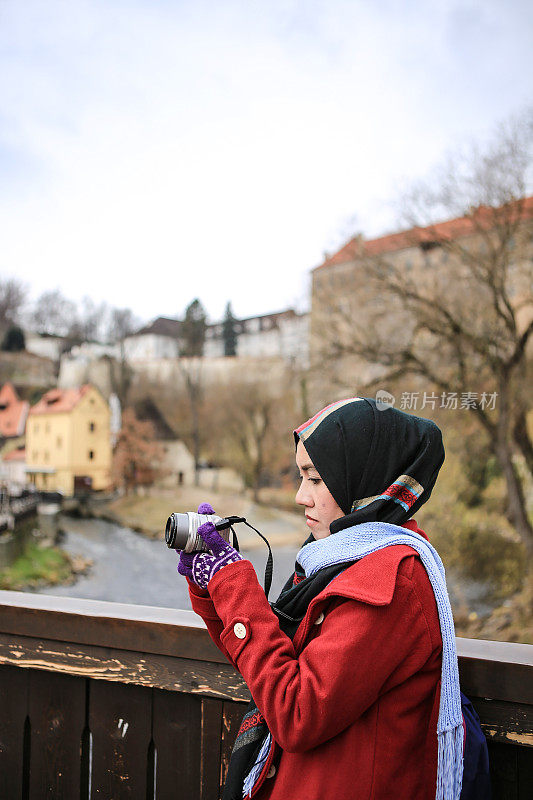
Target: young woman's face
[{"x": 320, "y": 507}]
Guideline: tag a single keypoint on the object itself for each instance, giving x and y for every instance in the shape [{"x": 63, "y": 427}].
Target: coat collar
[{"x": 372, "y": 579}]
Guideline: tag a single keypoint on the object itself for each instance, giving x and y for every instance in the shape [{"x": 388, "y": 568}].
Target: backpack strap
[{"x": 476, "y": 772}]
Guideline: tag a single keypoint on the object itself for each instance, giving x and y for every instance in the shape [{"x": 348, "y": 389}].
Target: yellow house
[{"x": 68, "y": 443}]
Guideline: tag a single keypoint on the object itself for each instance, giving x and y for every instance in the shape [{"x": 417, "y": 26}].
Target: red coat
[{"x": 352, "y": 702}]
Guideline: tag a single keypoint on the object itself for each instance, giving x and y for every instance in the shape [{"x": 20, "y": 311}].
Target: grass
[
  {"x": 37, "y": 566},
  {"x": 149, "y": 513}
]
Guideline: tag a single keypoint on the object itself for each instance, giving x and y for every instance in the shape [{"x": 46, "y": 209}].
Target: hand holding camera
[{"x": 200, "y": 566}]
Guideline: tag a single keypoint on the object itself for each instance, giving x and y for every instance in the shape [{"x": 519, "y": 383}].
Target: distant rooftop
[
  {"x": 450, "y": 229},
  {"x": 166, "y": 326},
  {"x": 162, "y": 326},
  {"x": 59, "y": 400},
  {"x": 13, "y": 412},
  {"x": 16, "y": 455}
]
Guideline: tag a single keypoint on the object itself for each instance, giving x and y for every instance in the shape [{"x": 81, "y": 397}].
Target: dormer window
[
  {"x": 429, "y": 245},
  {"x": 53, "y": 396}
]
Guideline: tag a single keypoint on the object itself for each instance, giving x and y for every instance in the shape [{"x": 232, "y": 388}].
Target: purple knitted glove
[{"x": 200, "y": 567}]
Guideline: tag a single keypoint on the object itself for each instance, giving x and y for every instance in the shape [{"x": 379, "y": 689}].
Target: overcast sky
[{"x": 152, "y": 152}]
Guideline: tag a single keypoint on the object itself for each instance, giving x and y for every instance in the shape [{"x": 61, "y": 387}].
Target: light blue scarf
[{"x": 360, "y": 540}]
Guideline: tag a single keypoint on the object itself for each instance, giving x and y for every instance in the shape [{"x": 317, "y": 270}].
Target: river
[{"x": 131, "y": 568}]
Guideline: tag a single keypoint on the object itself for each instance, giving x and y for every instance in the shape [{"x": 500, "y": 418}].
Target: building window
[
  {"x": 36, "y": 428},
  {"x": 91, "y": 426},
  {"x": 59, "y": 441},
  {"x": 46, "y": 456},
  {"x": 429, "y": 245},
  {"x": 35, "y": 456},
  {"x": 91, "y": 455},
  {"x": 47, "y": 428}
]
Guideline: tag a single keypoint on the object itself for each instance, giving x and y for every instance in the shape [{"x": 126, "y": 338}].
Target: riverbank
[
  {"x": 477, "y": 613},
  {"x": 148, "y": 513},
  {"x": 38, "y": 567},
  {"x": 129, "y": 567}
]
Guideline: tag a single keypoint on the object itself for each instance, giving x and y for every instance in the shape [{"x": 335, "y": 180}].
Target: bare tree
[
  {"x": 191, "y": 348},
  {"x": 192, "y": 373},
  {"x": 12, "y": 299},
  {"x": 254, "y": 420},
  {"x": 137, "y": 454},
  {"x": 54, "y": 314},
  {"x": 451, "y": 303},
  {"x": 92, "y": 317},
  {"x": 122, "y": 323}
]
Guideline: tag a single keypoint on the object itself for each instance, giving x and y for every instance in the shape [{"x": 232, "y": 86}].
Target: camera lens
[
  {"x": 181, "y": 531},
  {"x": 177, "y": 531},
  {"x": 170, "y": 531}
]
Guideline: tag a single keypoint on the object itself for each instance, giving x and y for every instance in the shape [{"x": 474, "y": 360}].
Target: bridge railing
[{"x": 117, "y": 701}]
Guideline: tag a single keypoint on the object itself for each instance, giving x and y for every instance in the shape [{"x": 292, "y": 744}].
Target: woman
[{"x": 345, "y": 668}]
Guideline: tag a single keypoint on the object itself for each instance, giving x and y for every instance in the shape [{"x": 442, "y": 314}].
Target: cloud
[{"x": 154, "y": 152}]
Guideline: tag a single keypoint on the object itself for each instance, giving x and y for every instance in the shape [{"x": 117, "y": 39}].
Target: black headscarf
[{"x": 377, "y": 464}]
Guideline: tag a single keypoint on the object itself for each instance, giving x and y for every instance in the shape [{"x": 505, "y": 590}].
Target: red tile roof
[
  {"x": 450, "y": 229},
  {"x": 59, "y": 400},
  {"x": 13, "y": 412},
  {"x": 162, "y": 326},
  {"x": 16, "y": 455}
]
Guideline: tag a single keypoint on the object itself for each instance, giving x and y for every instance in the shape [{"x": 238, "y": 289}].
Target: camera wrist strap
[{"x": 269, "y": 568}]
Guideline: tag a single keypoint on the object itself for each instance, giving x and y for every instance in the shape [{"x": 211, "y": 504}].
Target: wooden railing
[{"x": 105, "y": 700}]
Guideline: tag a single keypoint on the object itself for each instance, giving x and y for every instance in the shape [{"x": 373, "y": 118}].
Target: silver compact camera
[
  {"x": 181, "y": 530},
  {"x": 181, "y": 533}
]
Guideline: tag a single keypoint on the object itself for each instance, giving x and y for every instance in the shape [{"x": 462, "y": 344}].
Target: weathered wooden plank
[
  {"x": 146, "y": 669},
  {"x": 211, "y": 737},
  {"x": 511, "y": 723},
  {"x": 489, "y": 669},
  {"x": 496, "y": 652},
  {"x": 232, "y": 714},
  {"x": 120, "y": 719},
  {"x": 13, "y": 711},
  {"x": 170, "y": 650},
  {"x": 182, "y": 633},
  {"x": 503, "y": 771},
  {"x": 499, "y": 670},
  {"x": 177, "y": 725},
  {"x": 56, "y": 705},
  {"x": 525, "y": 773},
  {"x": 511, "y": 771},
  {"x": 125, "y": 626}
]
